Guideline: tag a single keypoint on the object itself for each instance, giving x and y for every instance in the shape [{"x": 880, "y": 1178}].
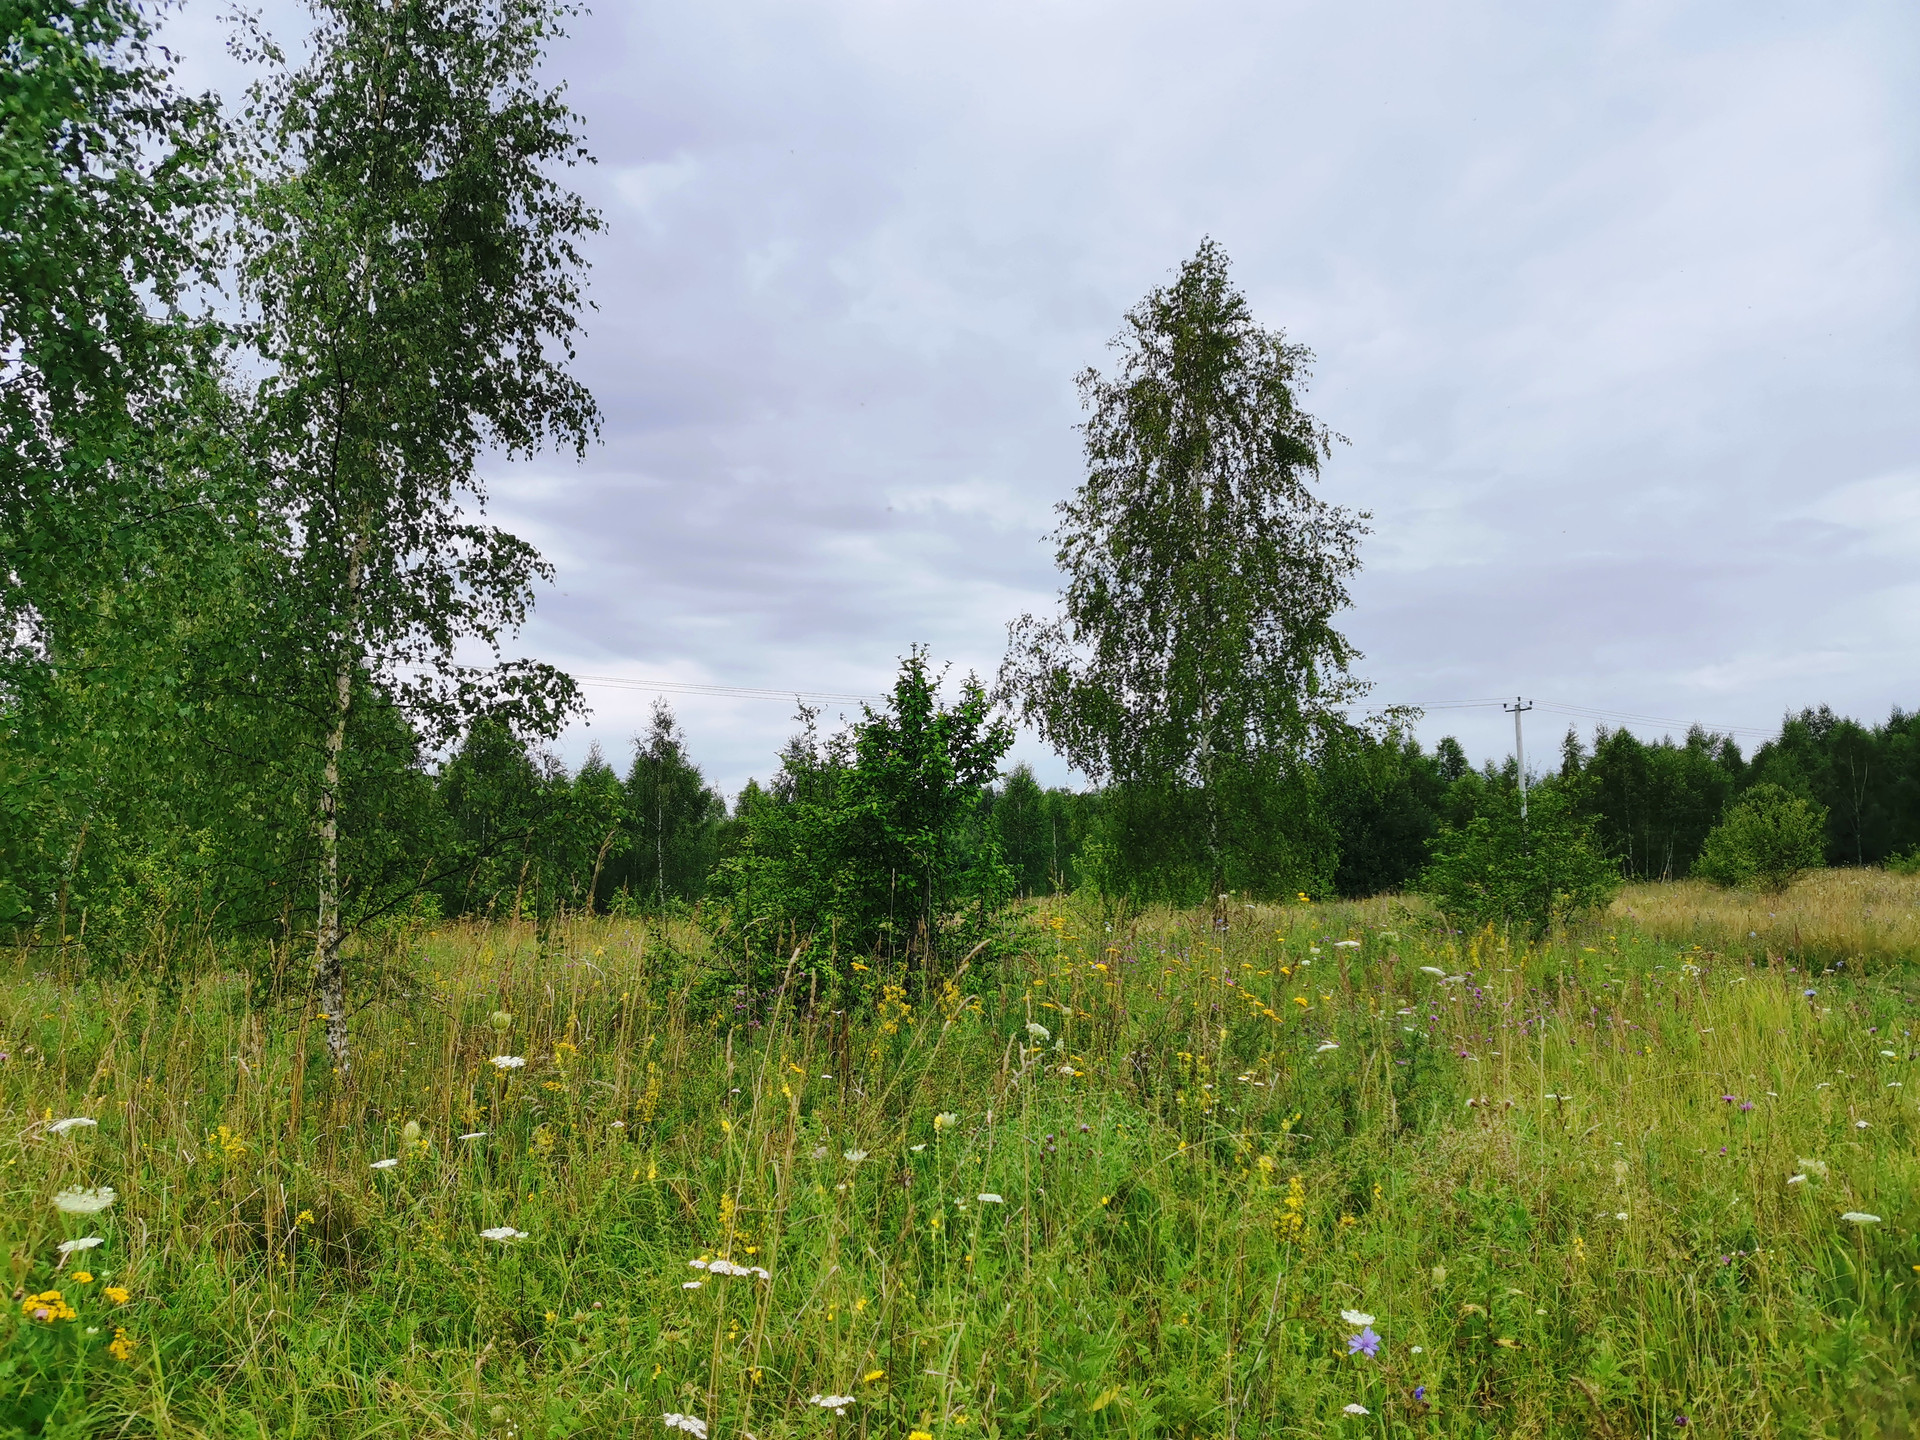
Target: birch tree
[
  {"x": 413, "y": 279},
  {"x": 1195, "y": 638}
]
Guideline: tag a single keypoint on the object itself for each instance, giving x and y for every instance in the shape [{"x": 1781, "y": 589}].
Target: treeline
[{"x": 1359, "y": 820}]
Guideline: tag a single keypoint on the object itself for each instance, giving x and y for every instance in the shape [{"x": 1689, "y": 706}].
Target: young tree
[
  {"x": 672, "y": 817},
  {"x": 1202, "y": 572},
  {"x": 1529, "y": 874},
  {"x": 412, "y": 269},
  {"x": 1768, "y": 839}
]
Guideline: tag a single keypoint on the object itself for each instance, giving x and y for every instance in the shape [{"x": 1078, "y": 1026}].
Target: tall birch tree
[
  {"x": 1195, "y": 641},
  {"x": 414, "y": 287}
]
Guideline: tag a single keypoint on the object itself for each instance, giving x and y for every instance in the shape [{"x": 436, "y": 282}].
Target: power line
[
  {"x": 739, "y": 692},
  {"x": 753, "y": 692}
]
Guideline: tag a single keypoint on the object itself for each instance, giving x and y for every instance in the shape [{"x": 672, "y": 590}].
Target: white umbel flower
[
  {"x": 693, "y": 1427},
  {"x": 503, "y": 1233},
  {"x": 70, "y": 1124},
  {"x": 85, "y": 1202},
  {"x": 509, "y": 1062}
]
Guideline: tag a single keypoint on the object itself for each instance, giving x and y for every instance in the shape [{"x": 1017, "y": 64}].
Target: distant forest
[{"x": 536, "y": 838}]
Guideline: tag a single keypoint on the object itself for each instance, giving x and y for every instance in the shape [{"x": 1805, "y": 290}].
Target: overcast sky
[{"x": 1616, "y": 304}]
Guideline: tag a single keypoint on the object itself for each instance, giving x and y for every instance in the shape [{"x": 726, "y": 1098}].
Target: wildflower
[
  {"x": 122, "y": 1347},
  {"x": 83, "y": 1277},
  {"x": 1038, "y": 1032},
  {"x": 1746, "y": 1105},
  {"x": 1356, "y": 1317},
  {"x": 1860, "y": 1217},
  {"x": 85, "y": 1202},
  {"x": 118, "y": 1294},
  {"x": 1434, "y": 970},
  {"x": 1859, "y": 1124},
  {"x": 385, "y": 1164},
  {"x": 836, "y": 1403},
  {"x": 1417, "y": 1350},
  {"x": 1814, "y": 1167},
  {"x": 503, "y": 1233},
  {"x": 1326, "y": 1045},
  {"x": 689, "y": 1284},
  {"x": 1809, "y": 994},
  {"x": 74, "y": 1122},
  {"x": 47, "y": 1307},
  {"x": 472, "y": 1135},
  {"x": 873, "y": 1375},
  {"x": 509, "y": 1062},
  {"x": 1354, "y": 1408},
  {"x": 1365, "y": 1343},
  {"x": 1419, "y": 1391},
  {"x": 85, "y": 1242},
  {"x": 1620, "y": 1215},
  {"x": 919, "y": 1435},
  {"x": 1796, "y": 1179},
  {"x": 990, "y": 1199},
  {"x": 1346, "y": 944},
  {"x": 693, "y": 1427},
  {"x": 856, "y": 1156}
]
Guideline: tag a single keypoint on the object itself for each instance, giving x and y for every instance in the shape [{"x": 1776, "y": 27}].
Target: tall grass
[{"x": 1557, "y": 1179}]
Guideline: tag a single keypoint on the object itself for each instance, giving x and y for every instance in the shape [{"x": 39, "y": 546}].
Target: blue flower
[{"x": 1365, "y": 1343}]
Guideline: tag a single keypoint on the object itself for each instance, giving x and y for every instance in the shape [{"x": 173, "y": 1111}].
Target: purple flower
[
  {"x": 1365, "y": 1343},
  {"x": 1746, "y": 1104},
  {"x": 1420, "y": 1393}
]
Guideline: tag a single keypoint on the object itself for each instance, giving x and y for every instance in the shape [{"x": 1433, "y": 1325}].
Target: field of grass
[{"x": 1331, "y": 1173}]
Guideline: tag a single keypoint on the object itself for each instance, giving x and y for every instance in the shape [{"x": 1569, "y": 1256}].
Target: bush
[
  {"x": 1534, "y": 874},
  {"x": 1766, "y": 841}
]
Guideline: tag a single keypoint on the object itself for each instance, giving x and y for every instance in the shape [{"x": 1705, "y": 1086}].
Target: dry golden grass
[{"x": 1865, "y": 917}]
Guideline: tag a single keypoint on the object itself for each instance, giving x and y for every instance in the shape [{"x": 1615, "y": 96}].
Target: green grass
[{"x": 1193, "y": 1189}]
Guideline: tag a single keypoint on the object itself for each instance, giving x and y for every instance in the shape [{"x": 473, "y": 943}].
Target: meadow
[{"x": 1333, "y": 1172}]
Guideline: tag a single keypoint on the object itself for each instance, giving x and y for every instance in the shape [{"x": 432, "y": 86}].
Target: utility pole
[{"x": 1520, "y": 707}]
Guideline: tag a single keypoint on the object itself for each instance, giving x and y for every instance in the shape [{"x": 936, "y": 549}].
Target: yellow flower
[
  {"x": 873, "y": 1375},
  {"x": 47, "y": 1307},
  {"x": 919, "y": 1435},
  {"x": 83, "y": 1277},
  {"x": 118, "y": 1295},
  {"x": 122, "y": 1347}
]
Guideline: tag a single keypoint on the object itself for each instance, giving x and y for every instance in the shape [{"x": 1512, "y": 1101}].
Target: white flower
[
  {"x": 689, "y": 1284},
  {"x": 1038, "y": 1032},
  {"x": 727, "y": 1267},
  {"x": 1620, "y": 1215},
  {"x": 916, "y": 1149},
  {"x": 1355, "y": 1408},
  {"x": 85, "y": 1242},
  {"x": 990, "y": 1199},
  {"x": 1859, "y": 1124},
  {"x": 1356, "y": 1317},
  {"x": 508, "y": 1062},
  {"x": 1860, "y": 1217},
  {"x": 856, "y": 1156},
  {"x": 617, "y": 1125},
  {"x": 819, "y": 1152},
  {"x": 696, "y": 1264},
  {"x": 1068, "y": 1071},
  {"x": 1890, "y": 1054},
  {"x": 945, "y": 1120},
  {"x": 75, "y": 1122},
  {"x": 695, "y": 1428},
  {"x": 1326, "y": 1045},
  {"x": 1796, "y": 1179},
  {"x": 85, "y": 1202},
  {"x": 472, "y": 1135},
  {"x": 1434, "y": 970},
  {"x": 1346, "y": 944},
  {"x": 385, "y": 1164},
  {"x": 836, "y": 1403},
  {"x": 1815, "y": 1167},
  {"x": 503, "y": 1233},
  {"x": 1416, "y": 1349}
]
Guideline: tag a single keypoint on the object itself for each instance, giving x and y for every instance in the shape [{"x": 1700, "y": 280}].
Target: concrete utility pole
[{"x": 1520, "y": 707}]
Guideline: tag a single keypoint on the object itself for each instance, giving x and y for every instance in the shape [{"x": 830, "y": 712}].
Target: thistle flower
[
  {"x": 70, "y": 1124},
  {"x": 85, "y": 1202}
]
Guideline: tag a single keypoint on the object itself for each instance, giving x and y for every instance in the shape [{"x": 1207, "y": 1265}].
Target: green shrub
[
  {"x": 1765, "y": 841},
  {"x": 1527, "y": 874}
]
